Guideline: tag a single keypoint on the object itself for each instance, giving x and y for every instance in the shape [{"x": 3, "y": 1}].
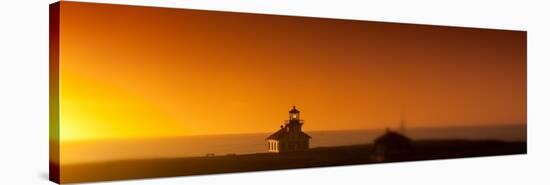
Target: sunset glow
[{"x": 139, "y": 72}]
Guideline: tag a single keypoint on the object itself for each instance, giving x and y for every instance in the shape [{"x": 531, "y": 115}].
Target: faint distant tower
[{"x": 402, "y": 124}]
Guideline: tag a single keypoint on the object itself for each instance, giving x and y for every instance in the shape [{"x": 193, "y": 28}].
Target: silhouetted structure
[
  {"x": 290, "y": 136},
  {"x": 391, "y": 145},
  {"x": 402, "y": 124}
]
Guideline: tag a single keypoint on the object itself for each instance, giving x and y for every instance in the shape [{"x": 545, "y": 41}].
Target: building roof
[
  {"x": 294, "y": 110},
  {"x": 392, "y": 137},
  {"x": 303, "y": 134},
  {"x": 282, "y": 133},
  {"x": 277, "y": 135}
]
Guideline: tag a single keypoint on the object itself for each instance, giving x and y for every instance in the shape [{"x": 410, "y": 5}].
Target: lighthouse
[{"x": 290, "y": 136}]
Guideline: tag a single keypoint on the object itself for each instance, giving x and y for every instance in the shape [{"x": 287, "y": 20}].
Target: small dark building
[
  {"x": 290, "y": 136},
  {"x": 391, "y": 146}
]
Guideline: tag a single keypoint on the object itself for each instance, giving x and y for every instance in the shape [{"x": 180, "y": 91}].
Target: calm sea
[{"x": 254, "y": 143}]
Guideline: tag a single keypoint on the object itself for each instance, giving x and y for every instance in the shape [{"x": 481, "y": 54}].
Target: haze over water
[{"x": 188, "y": 146}]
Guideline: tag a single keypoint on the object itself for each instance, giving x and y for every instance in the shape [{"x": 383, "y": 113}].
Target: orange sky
[{"x": 129, "y": 72}]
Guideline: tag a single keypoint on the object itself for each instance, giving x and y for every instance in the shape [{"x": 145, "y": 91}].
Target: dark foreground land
[{"x": 316, "y": 157}]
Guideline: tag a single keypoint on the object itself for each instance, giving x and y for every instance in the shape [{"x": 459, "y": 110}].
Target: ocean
[{"x": 189, "y": 146}]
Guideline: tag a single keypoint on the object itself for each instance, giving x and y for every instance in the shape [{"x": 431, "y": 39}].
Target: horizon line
[{"x": 267, "y": 132}]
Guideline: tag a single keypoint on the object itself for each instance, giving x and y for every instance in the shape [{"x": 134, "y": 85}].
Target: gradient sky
[{"x": 140, "y": 72}]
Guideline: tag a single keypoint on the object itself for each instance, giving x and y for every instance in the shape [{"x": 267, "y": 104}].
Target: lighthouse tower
[{"x": 290, "y": 136}]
